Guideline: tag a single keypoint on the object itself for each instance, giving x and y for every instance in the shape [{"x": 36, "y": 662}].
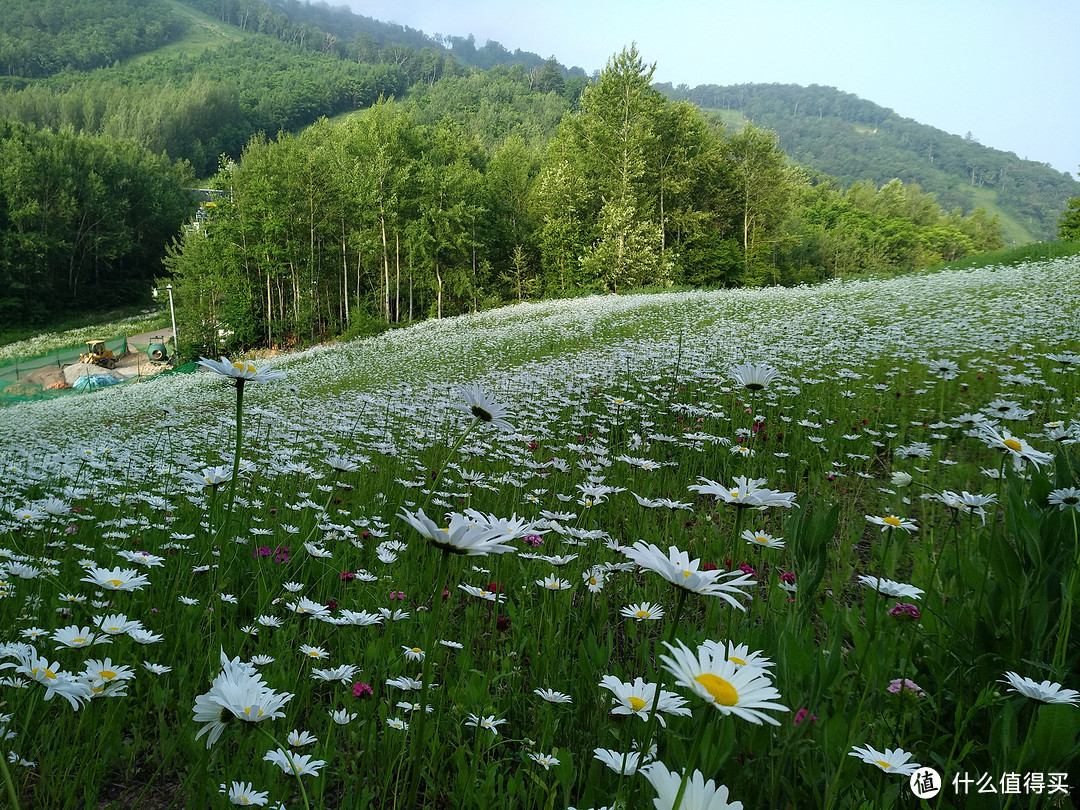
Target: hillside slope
[{"x": 852, "y": 139}]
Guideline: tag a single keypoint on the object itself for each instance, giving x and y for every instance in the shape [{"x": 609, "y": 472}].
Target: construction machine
[{"x": 98, "y": 355}]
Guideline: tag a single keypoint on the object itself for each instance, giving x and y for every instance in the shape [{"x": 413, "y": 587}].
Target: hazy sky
[{"x": 1007, "y": 71}]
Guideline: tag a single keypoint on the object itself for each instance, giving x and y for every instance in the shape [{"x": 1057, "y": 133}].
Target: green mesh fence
[{"x": 23, "y": 379}]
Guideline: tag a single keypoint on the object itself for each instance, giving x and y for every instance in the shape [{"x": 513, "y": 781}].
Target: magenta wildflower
[
  {"x": 905, "y": 610},
  {"x": 903, "y": 686},
  {"x": 362, "y": 690},
  {"x": 801, "y": 715}
]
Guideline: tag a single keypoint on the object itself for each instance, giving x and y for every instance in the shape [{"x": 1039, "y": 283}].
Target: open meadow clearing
[{"x": 802, "y": 543}]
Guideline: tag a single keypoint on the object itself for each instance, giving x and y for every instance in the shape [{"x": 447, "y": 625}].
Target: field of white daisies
[{"x": 760, "y": 548}]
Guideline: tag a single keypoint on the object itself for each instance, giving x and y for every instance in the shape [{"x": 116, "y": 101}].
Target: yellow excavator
[{"x": 97, "y": 354}]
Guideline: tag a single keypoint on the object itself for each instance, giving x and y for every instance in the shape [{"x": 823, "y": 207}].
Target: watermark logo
[{"x": 925, "y": 783}]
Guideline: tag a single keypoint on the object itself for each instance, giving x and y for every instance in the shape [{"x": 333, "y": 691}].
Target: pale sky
[{"x": 1007, "y": 71}]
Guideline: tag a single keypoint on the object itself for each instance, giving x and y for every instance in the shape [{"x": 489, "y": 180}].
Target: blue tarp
[{"x": 94, "y": 381}]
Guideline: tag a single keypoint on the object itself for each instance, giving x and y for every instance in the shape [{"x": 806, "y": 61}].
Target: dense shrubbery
[
  {"x": 42, "y": 37},
  {"x": 82, "y": 220}
]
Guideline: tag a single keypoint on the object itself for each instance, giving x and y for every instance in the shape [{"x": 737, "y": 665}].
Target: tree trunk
[
  {"x": 345, "y": 274},
  {"x": 386, "y": 268},
  {"x": 269, "y": 312},
  {"x": 438, "y": 278}
]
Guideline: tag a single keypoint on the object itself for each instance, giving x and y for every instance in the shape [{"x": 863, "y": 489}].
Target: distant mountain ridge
[
  {"x": 831, "y": 131},
  {"x": 851, "y": 139},
  {"x": 347, "y": 60}
]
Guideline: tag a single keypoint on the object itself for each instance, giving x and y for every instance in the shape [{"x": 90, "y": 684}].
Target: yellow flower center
[
  {"x": 116, "y": 583},
  {"x": 636, "y": 703},
  {"x": 417, "y": 650},
  {"x": 686, "y": 574},
  {"x": 884, "y": 765},
  {"x": 892, "y": 521},
  {"x": 642, "y": 614},
  {"x": 78, "y": 641},
  {"x": 313, "y": 653},
  {"x": 48, "y": 673},
  {"x": 722, "y": 691},
  {"x": 246, "y": 368},
  {"x": 738, "y": 661},
  {"x": 107, "y": 674},
  {"x": 761, "y": 539},
  {"x": 247, "y": 711},
  {"x": 1013, "y": 445}
]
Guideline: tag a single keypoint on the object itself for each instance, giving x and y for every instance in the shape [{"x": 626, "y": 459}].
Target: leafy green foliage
[
  {"x": 481, "y": 187},
  {"x": 200, "y": 107},
  {"x": 854, "y": 140},
  {"x": 82, "y": 216},
  {"x": 42, "y": 37},
  {"x": 1069, "y": 224}
]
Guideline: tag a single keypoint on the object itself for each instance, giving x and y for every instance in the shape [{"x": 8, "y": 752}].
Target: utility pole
[{"x": 172, "y": 312}]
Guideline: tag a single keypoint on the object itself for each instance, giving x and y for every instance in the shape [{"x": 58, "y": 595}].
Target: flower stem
[
  {"x": 450, "y": 455},
  {"x": 288, "y": 753},
  {"x": 236, "y": 453},
  {"x": 650, "y": 727},
  {"x": 13, "y": 797},
  {"x": 416, "y": 767},
  {"x": 1061, "y": 650},
  {"x": 695, "y": 749},
  {"x": 1024, "y": 747}
]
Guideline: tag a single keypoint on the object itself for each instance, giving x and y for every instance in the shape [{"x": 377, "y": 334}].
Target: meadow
[{"x": 801, "y": 543}]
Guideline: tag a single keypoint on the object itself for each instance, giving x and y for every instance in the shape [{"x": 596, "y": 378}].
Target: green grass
[
  {"x": 608, "y": 397},
  {"x": 733, "y": 120},
  {"x": 203, "y": 32},
  {"x": 1012, "y": 229},
  {"x": 1031, "y": 252}
]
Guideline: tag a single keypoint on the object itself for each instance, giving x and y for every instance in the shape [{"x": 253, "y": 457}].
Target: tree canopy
[{"x": 484, "y": 188}]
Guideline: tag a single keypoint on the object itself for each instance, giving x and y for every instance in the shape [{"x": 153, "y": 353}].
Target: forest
[
  {"x": 43, "y": 37},
  {"x": 406, "y": 211},
  {"x": 82, "y": 219},
  {"x": 365, "y": 180},
  {"x": 852, "y": 139}
]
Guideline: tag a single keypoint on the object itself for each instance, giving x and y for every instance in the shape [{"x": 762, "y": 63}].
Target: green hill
[
  {"x": 201, "y": 31},
  {"x": 235, "y": 69},
  {"x": 852, "y": 139}
]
